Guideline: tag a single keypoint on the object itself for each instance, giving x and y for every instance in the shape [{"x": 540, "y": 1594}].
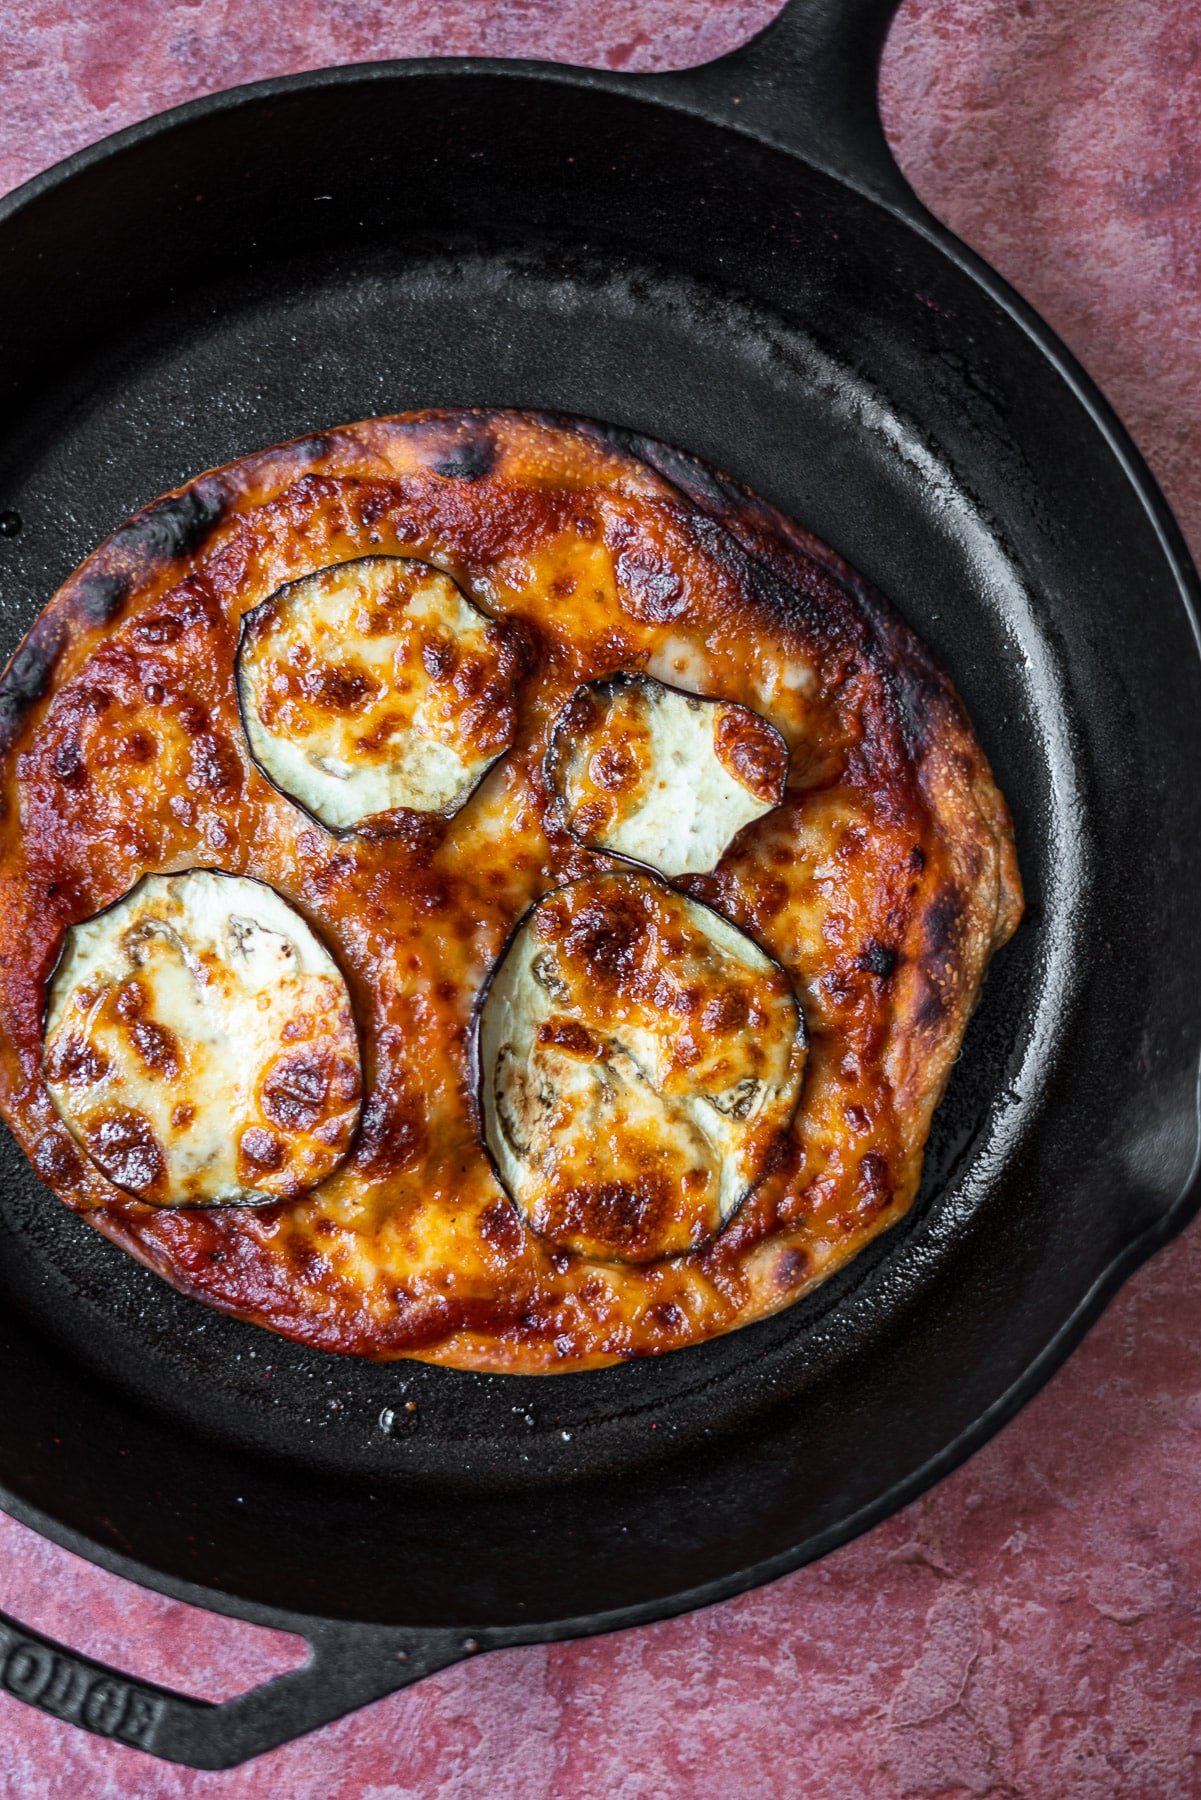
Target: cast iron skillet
[{"x": 729, "y": 260}]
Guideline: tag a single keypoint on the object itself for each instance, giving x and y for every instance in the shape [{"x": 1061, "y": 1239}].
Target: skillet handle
[
  {"x": 806, "y": 83},
  {"x": 348, "y": 1667}
]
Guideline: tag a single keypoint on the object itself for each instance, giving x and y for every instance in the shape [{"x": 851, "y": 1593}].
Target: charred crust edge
[
  {"x": 458, "y": 445},
  {"x": 176, "y": 525},
  {"x": 101, "y": 594},
  {"x": 470, "y": 461},
  {"x": 28, "y": 676},
  {"x": 314, "y": 449}
]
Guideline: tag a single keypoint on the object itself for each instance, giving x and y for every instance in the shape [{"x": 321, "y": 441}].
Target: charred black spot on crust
[
  {"x": 311, "y": 449},
  {"x": 470, "y": 460},
  {"x": 696, "y": 479},
  {"x": 613, "y": 437},
  {"x": 942, "y": 922},
  {"x": 176, "y": 526},
  {"x": 101, "y": 596},
  {"x": 910, "y": 698},
  {"x": 878, "y": 959},
  {"x": 28, "y": 676},
  {"x": 930, "y": 1010}
]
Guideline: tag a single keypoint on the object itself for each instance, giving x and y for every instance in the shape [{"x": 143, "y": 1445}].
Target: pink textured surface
[{"x": 1033, "y": 1627}]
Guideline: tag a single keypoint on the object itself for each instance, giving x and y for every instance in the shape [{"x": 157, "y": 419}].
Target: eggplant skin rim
[
  {"x": 191, "y": 1206},
  {"x": 475, "y": 1063},
  {"x": 242, "y": 699},
  {"x": 604, "y": 686}
]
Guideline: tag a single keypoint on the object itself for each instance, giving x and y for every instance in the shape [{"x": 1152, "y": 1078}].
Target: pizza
[{"x": 482, "y": 886}]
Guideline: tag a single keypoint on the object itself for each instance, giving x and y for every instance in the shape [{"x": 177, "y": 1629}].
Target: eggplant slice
[
  {"x": 665, "y": 778},
  {"x": 375, "y": 685},
  {"x": 638, "y": 1059},
  {"x": 200, "y": 1045}
]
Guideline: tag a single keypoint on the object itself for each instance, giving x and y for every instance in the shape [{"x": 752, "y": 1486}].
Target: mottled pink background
[{"x": 1033, "y": 1627}]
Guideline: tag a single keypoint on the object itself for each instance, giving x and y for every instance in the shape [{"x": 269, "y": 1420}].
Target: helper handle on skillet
[
  {"x": 348, "y": 1666},
  {"x": 806, "y": 84}
]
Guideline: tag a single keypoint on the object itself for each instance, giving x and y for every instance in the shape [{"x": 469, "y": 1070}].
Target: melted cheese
[
  {"x": 638, "y": 1055},
  {"x": 666, "y": 778},
  {"x": 375, "y": 685},
  {"x": 200, "y": 1045}
]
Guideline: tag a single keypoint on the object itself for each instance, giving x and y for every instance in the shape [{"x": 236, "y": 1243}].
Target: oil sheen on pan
[{"x": 862, "y": 898}]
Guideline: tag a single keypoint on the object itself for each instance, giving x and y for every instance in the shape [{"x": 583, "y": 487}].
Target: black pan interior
[{"x": 294, "y": 262}]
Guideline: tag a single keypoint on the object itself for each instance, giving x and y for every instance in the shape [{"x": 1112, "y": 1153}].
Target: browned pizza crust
[{"x": 882, "y": 883}]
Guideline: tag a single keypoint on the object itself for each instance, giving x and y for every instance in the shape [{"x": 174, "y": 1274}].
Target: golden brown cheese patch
[
  {"x": 373, "y": 686},
  {"x": 200, "y": 1045},
  {"x": 663, "y": 777},
  {"x": 639, "y": 1060},
  {"x": 881, "y": 883}
]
